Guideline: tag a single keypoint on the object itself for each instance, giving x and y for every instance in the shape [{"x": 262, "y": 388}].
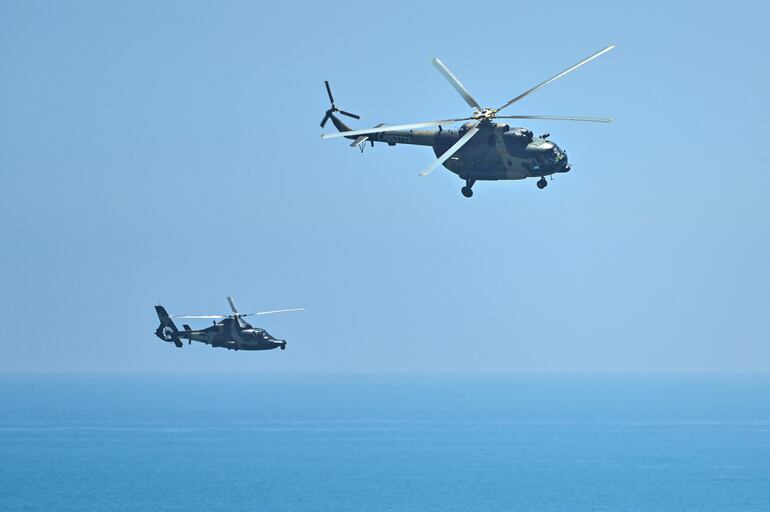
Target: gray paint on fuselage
[
  {"x": 496, "y": 152},
  {"x": 226, "y": 334},
  {"x": 230, "y": 332}
]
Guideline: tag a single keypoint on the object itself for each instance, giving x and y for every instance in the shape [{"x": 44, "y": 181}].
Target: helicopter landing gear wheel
[
  {"x": 541, "y": 183},
  {"x": 467, "y": 190}
]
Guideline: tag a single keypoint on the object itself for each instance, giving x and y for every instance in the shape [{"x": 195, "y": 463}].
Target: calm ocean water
[{"x": 462, "y": 443}]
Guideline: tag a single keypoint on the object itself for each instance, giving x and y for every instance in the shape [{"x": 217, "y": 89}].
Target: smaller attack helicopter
[
  {"x": 480, "y": 149},
  {"x": 230, "y": 332}
]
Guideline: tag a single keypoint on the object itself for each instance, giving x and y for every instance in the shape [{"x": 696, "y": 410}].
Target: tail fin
[{"x": 167, "y": 331}]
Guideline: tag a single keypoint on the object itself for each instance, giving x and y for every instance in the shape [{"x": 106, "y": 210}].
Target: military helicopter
[
  {"x": 230, "y": 332},
  {"x": 480, "y": 149}
]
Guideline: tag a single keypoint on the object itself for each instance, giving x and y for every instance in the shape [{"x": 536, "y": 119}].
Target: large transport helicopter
[
  {"x": 230, "y": 332},
  {"x": 480, "y": 149}
]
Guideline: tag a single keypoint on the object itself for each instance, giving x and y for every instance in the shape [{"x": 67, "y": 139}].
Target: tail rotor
[
  {"x": 167, "y": 330},
  {"x": 334, "y": 108}
]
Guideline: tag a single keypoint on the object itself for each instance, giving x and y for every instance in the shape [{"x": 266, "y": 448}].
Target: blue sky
[{"x": 170, "y": 151}]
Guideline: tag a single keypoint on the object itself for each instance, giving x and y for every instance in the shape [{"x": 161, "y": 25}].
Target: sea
[{"x": 385, "y": 442}]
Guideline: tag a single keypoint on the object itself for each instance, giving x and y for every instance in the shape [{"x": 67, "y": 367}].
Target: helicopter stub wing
[{"x": 363, "y": 138}]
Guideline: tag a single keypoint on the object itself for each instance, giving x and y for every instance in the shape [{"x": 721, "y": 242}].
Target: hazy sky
[{"x": 170, "y": 151}]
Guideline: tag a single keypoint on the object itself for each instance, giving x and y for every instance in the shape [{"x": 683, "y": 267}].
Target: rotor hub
[{"x": 484, "y": 114}]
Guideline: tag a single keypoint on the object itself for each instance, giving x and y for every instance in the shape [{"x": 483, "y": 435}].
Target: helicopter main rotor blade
[
  {"x": 556, "y": 77},
  {"x": 274, "y": 311},
  {"x": 393, "y": 128},
  {"x": 562, "y": 118},
  {"x": 451, "y": 151},
  {"x": 199, "y": 316},
  {"x": 329, "y": 92},
  {"x": 459, "y": 87},
  {"x": 232, "y": 305}
]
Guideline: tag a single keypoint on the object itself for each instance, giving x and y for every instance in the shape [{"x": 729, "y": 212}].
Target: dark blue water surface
[{"x": 460, "y": 443}]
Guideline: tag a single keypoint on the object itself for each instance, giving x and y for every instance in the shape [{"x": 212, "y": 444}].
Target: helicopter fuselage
[
  {"x": 496, "y": 152},
  {"x": 228, "y": 334},
  {"x": 231, "y": 332}
]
